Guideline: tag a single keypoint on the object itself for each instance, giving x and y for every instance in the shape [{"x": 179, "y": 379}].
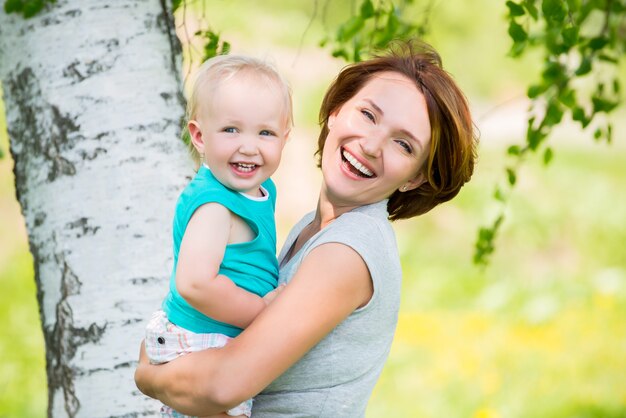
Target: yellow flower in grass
[{"x": 486, "y": 413}]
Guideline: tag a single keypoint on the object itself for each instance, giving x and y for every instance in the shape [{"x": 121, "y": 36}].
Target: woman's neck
[{"x": 328, "y": 210}]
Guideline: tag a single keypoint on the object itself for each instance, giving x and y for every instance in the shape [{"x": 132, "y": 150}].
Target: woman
[{"x": 396, "y": 140}]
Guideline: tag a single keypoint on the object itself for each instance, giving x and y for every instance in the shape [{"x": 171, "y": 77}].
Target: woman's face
[{"x": 377, "y": 142}]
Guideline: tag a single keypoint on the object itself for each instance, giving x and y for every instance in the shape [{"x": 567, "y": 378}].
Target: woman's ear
[
  {"x": 332, "y": 116},
  {"x": 414, "y": 183},
  {"x": 196, "y": 136},
  {"x": 331, "y": 120}
]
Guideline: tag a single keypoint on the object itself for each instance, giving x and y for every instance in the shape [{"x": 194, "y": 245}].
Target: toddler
[{"x": 225, "y": 270}]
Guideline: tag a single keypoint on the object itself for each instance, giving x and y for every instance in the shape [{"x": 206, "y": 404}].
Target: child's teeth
[{"x": 246, "y": 167}]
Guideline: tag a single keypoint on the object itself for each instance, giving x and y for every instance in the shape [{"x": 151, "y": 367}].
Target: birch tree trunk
[{"x": 94, "y": 105}]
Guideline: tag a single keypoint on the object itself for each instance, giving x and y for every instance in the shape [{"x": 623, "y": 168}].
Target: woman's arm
[
  {"x": 197, "y": 279},
  {"x": 331, "y": 283}
]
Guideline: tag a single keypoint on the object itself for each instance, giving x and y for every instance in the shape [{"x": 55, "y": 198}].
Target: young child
[{"x": 225, "y": 270}]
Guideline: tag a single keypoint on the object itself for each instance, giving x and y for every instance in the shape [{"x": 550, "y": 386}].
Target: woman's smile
[{"x": 355, "y": 166}]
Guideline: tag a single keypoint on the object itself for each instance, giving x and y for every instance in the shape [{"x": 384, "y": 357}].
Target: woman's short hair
[{"x": 453, "y": 143}]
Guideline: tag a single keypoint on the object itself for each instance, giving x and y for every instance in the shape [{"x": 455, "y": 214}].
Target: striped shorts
[{"x": 166, "y": 341}]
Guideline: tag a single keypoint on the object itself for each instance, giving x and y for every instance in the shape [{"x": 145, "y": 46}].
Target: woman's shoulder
[
  {"x": 368, "y": 223},
  {"x": 366, "y": 230}
]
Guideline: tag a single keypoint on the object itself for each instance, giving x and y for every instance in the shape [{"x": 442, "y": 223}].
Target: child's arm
[{"x": 197, "y": 278}]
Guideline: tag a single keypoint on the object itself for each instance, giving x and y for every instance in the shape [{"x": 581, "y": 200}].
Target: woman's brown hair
[{"x": 452, "y": 152}]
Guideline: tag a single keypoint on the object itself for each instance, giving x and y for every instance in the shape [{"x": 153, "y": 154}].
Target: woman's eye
[
  {"x": 368, "y": 115},
  {"x": 265, "y": 132},
  {"x": 230, "y": 130},
  {"x": 405, "y": 145}
]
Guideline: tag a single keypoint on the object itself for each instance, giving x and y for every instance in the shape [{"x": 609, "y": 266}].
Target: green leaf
[
  {"x": 585, "y": 67},
  {"x": 514, "y": 150},
  {"x": 568, "y": 98},
  {"x": 517, "y": 32},
  {"x": 570, "y": 36},
  {"x": 573, "y": 6},
  {"x": 609, "y": 133},
  {"x": 532, "y": 9},
  {"x": 537, "y": 89},
  {"x": 499, "y": 195},
  {"x": 554, "y": 72},
  {"x": 534, "y": 136},
  {"x": 608, "y": 58},
  {"x": 547, "y": 156},
  {"x": 601, "y": 104},
  {"x": 511, "y": 176},
  {"x": 515, "y": 9},
  {"x": 598, "y": 42},
  {"x": 553, "y": 10},
  {"x": 32, "y": 7},
  {"x": 225, "y": 48},
  {"x": 176, "y": 4},
  {"x": 367, "y": 9},
  {"x": 11, "y": 6},
  {"x": 484, "y": 244},
  {"x": 517, "y": 48},
  {"x": 554, "y": 114},
  {"x": 578, "y": 114},
  {"x": 485, "y": 234},
  {"x": 350, "y": 28},
  {"x": 597, "y": 134},
  {"x": 186, "y": 136},
  {"x": 341, "y": 53},
  {"x": 616, "y": 86},
  {"x": 392, "y": 23}
]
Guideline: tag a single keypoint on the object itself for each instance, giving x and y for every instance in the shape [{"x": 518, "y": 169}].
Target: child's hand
[{"x": 270, "y": 296}]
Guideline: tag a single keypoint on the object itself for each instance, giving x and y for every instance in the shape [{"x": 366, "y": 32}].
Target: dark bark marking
[
  {"x": 93, "y": 155},
  {"x": 40, "y": 130},
  {"x": 63, "y": 339},
  {"x": 74, "y": 13},
  {"x": 40, "y": 217},
  {"x": 166, "y": 22},
  {"x": 79, "y": 71},
  {"x": 144, "y": 280},
  {"x": 84, "y": 228}
]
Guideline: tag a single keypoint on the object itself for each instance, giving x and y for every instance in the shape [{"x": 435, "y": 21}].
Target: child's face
[{"x": 241, "y": 129}]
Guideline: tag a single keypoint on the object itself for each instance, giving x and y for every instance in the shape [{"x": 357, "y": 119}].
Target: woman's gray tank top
[{"x": 336, "y": 377}]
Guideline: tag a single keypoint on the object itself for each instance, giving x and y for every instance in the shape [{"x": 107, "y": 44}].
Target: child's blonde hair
[{"x": 221, "y": 68}]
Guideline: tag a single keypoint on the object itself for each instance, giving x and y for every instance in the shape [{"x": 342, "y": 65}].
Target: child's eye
[
  {"x": 368, "y": 115},
  {"x": 266, "y": 132},
  {"x": 230, "y": 130},
  {"x": 405, "y": 145}
]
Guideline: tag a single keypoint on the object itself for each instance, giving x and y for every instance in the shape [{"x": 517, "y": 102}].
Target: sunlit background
[{"x": 540, "y": 333}]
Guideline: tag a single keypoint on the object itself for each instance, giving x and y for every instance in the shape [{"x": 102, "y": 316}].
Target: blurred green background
[{"x": 540, "y": 333}]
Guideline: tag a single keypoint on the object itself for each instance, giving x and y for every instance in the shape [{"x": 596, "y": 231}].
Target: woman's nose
[{"x": 372, "y": 144}]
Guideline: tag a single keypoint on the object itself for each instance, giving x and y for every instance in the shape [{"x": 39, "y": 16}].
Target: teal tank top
[{"x": 250, "y": 265}]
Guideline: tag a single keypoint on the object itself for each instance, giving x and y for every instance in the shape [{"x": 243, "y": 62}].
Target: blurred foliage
[
  {"x": 27, "y": 8},
  {"x": 212, "y": 44},
  {"x": 582, "y": 43},
  {"x": 372, "y": 28}
]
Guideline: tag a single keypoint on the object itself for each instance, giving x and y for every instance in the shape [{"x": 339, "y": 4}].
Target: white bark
[{"x": 93, "y": 102}]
